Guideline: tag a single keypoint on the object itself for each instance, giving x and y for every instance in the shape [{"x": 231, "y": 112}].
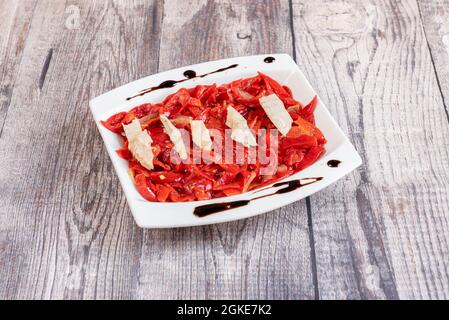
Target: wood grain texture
[
  {"x": 263, "y": 257},
  {"x": 383, "y": 231},
  {"x": 66, "y": 231},
  {"x": 435, "y": 17},
  {"x": 15, "y": 20}
]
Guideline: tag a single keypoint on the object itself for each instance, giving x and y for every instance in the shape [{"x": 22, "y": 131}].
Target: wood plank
[
  {"x": 65, "y": 228},
  {"x": 435, "y": 17},
  {"x": 15, "y": 20},
  {"x": 383, "y": 231},
  {"x": 263, "y": 257},
  {"x": 380, "y": 233}
]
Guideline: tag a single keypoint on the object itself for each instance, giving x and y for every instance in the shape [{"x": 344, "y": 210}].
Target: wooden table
[{"x": 382, "y": 232}]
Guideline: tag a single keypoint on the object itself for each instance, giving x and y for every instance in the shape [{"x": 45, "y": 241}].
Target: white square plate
[{"x": 284, "y": 70}]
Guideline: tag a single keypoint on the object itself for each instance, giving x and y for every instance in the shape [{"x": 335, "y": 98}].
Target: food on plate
[
  {"x": 175, "y": 136},
  {"x": 138, "y": 142},
  {"x": 275, "y": 110},
  {"x": 200, "y": 135},
  {"x": 204, "y": 116},
  {"x": 240, "y": 130}
]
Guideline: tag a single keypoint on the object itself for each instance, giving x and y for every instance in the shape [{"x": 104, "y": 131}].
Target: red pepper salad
[{"x": 244, "y": 107}]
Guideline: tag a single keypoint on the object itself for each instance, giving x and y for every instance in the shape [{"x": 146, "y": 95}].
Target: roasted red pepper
[
  {"x": 144, "y": 187},
  {"x": 168, "y": 181},
  {"x": 115, "y": 122}
]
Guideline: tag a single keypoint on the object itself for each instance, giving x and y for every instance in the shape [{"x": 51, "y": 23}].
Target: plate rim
[{"x": 226, "y": 216}]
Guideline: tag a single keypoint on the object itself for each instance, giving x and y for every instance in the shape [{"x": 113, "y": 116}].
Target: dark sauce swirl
[
  {"x": 269, "y": 59},
  {"x": 208, "y": 209},
  {"x": 205, "y": 210},
  {"x": 189, "y": 74},
  {"x": 333, "y": 163}
]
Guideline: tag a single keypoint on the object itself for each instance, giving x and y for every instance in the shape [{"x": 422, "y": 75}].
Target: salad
[{"x": 214, "y": 141}]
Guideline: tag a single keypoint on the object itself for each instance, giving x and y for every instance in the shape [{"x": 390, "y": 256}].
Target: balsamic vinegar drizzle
[
  {"x": 189, "y": 74},
  {"x": 333, "y": 163},
  {"x": 269, "y": 59},
  {"x": 207, "y": 209}
]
